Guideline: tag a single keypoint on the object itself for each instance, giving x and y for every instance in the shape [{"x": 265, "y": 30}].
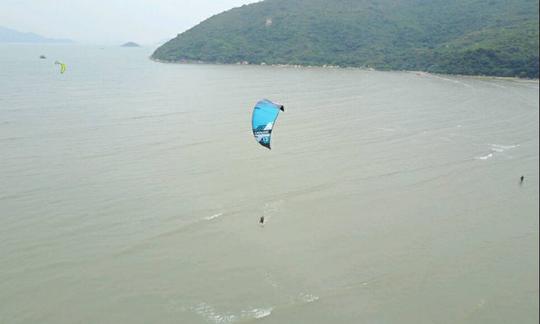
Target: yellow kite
[{"x": 62, "y": 66}]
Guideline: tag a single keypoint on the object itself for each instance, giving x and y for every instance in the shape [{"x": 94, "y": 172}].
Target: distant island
[
  {"x": 131, "y": 44},
  {"x": 471, "y": 37},
  {"x": 8, "y": 35}
]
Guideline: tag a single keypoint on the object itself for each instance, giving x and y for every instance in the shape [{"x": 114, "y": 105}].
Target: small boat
[{"x": 42, "y": 57}]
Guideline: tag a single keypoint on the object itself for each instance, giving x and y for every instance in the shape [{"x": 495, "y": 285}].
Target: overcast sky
[{"x": 110, "y": 21}]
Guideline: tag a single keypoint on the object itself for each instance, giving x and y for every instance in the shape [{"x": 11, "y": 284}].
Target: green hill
[{"x": 487, "y": 37}]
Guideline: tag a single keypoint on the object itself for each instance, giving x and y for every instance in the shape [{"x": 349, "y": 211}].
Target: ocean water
[{"x": 130, "y": 192}]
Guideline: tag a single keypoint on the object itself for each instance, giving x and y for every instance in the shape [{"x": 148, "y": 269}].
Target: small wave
[
  {"x": 451, "y": 80},
  {"x": 384, "y": 129},
  {"x": 213, "y": 216},
  {"x": 270, "y": 280},
  {"x": 501, "y": 148},
  {"x": 10, "y": 139},
  {"x": 481, "y": 303},
  {"x": 308, "y": 298},
  {"x": 485, "y": 157},
  {"x": 420, "y": 73},
  {"x": 156, "y": 115},
  {"x": 257, "y": 312},
  {"x": 496, "y": 149},
  {"x": 211, "y": 315}
]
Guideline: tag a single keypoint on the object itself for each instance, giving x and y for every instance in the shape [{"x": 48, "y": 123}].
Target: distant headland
[
  {"x": 8, "y": 35},
  {"x": 131, "y": 44}
]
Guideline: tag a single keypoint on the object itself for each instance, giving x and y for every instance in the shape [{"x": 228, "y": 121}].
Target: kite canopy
[
  {"x": 62, "y": 66},
  {"x": 264, "y": 116}
]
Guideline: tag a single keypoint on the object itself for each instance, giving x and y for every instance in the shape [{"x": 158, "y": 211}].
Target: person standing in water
[
  {"x": 261, "y": 220},
  {"x": 521, "y": 179}
]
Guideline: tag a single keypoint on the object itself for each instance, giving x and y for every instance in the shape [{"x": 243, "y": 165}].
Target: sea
[{"x": 131, "y": 192}]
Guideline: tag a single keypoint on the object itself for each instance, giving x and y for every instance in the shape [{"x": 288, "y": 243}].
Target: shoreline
[{"x": 335, "y": 67}]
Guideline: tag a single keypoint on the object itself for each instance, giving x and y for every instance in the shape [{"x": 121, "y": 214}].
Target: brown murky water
[{"x": 130, "y": 192}]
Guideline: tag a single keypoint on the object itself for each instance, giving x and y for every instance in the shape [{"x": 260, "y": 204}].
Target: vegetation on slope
[{"x": 487, "y": 37}]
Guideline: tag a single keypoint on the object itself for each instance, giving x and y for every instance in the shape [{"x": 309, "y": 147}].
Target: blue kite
[{"x": 264, "y": 117}]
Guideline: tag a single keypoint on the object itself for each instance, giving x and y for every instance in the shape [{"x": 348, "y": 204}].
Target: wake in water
[{"x": 269, "y": 209}]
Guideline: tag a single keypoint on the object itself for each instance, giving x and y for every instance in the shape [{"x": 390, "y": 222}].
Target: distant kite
[
  {"x": 62, "y": 66},
  {"x": 264, "y": 117}
]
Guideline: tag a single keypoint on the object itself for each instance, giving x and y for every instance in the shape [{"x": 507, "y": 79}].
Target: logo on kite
[
  {"x": 264, "y": 117},
  {"x": 62, "y": 66}
]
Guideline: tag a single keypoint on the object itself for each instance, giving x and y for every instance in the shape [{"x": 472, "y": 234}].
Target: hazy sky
[{"x": 110, "y": 21}]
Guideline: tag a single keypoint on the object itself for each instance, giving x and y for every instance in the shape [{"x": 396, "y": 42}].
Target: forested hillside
[{"x": 485, "y": 37}]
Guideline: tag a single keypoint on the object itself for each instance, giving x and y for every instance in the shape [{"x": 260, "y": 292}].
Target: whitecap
[
  {"x": 213, "y": 216},
  {"x": 481, "y": 303},
  {"x": 260, "y": 313},
  {"x": 210, "y": 314},
  {"x": 496, "y": 149},
  {"x": 308, "y": 298},
  {"x": 257, "y": 312},
  {"x": 501, "y": 148},
  {"x": 485, "y": 157}
]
